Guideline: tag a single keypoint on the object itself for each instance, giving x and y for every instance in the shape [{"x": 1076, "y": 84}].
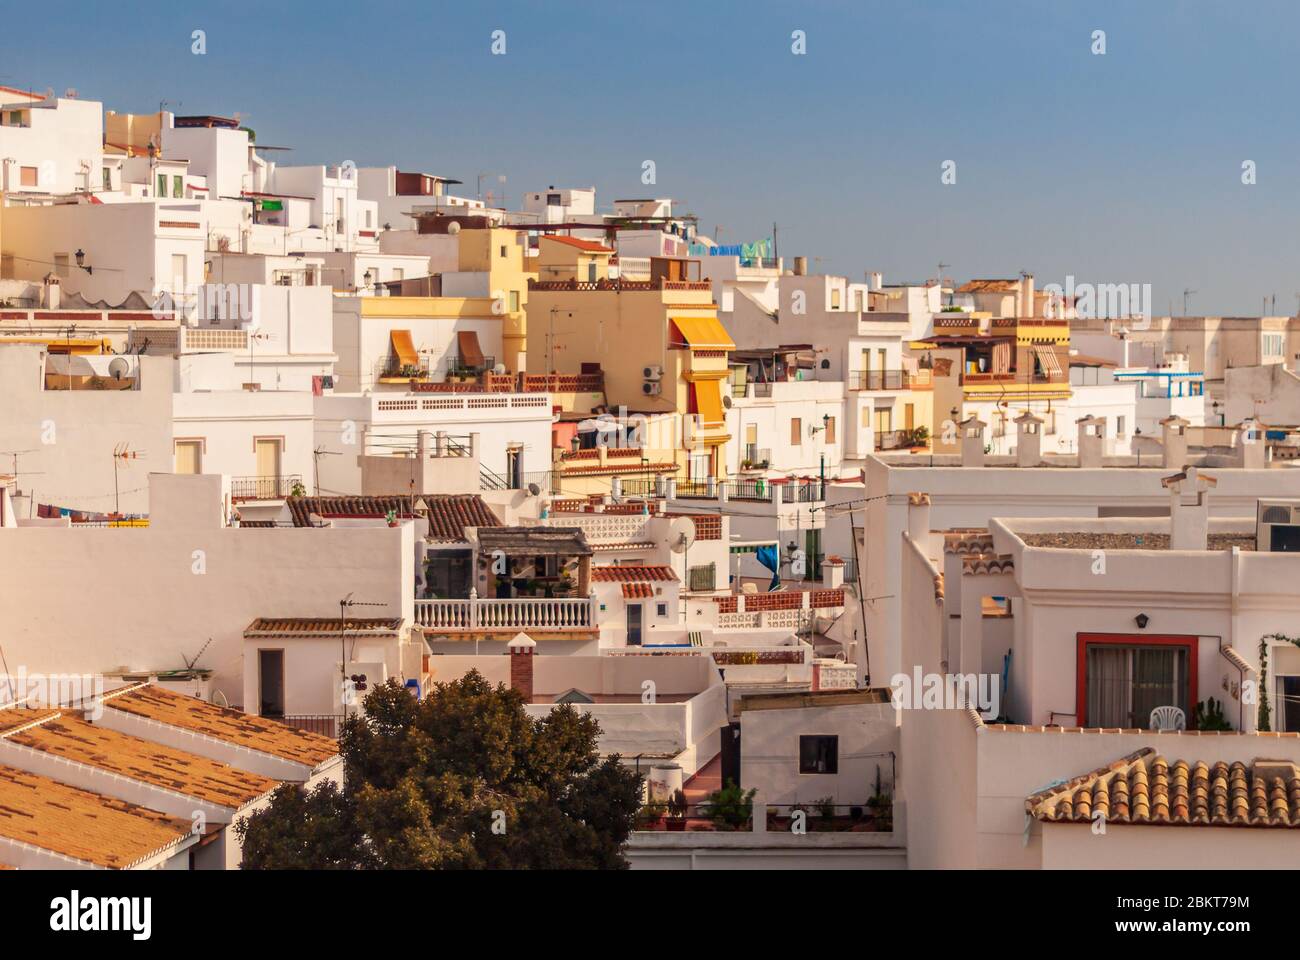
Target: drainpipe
[{"x": 1232, "y": 624}]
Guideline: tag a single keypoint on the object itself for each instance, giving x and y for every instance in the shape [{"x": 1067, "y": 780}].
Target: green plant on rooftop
[
  {"x": 462, "y": 779},
  {"x": 731, "y": 807},
  {"x": 1209, "y": 716}
]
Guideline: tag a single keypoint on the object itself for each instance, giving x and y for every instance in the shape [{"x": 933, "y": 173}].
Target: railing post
[
  {"x": 616, "y": 488},
  {"x": 722, "y": 492},
  {"x": 473, "y": 607},
  {"x": 710, "y": 487},
  {"x": 670, "y": 488},
  {"x": 776, "y": 493}
]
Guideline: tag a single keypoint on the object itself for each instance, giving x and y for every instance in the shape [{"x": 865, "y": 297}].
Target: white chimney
[
  {"x": 1026, "y": 296},
  {"x": 1252, "y": 447},
  {"x": 1092, "y": 441},
  {"x": 1189, "y": 523},
  {"x": 51, "y": 293},
  {"x": 1029, "y": 440},
  {"x": 972, "y": 441},
  {"x": 1173, "y": 437}
]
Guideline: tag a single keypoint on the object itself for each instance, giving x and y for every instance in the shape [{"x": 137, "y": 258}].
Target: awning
[
  {"x": 404, "y": 348},
  {"x": 708, "y": 402},
  {"x": 701, "y": 333},
  {"x": 1047, "y": 357},
  {"x": 471, "y": 355}
]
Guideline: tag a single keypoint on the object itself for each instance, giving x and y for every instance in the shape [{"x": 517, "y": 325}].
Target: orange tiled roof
[
  {"x": 83, "y": 825},
  {"x": 17, "y": 717},
  {"x": 589, "y": 246},
  {"x": 274, "y": 628},
  {"x": 222, "y": 723},
  {"x": 194, "y": 776},
  {"x": 1144, "y": 788},
  {"x": 633, "y": 574},
  {"x": 637, "y": 591}
]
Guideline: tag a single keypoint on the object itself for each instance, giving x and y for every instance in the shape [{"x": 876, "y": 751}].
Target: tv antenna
[{"x": 121, "y": 453}]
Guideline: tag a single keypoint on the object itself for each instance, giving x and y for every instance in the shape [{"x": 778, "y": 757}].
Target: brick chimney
[
  {"x": 521, "y": 651},
  {"x": 1173, "y": 437},
  {"x": 1189, "y": 523},
  {"x": 1029, "y": 440}
]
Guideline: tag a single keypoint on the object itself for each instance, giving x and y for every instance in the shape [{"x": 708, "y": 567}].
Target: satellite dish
[
  {"x": 681, "y": 534},
  {"x": 534, "y": 490},
  {"x": 499, "y": 368},
  {"x": 727, "y": 401},
  {"x": 454, "y": 227},
  {"x": 118, "y": 368},
  {"x": 219, "y": 699}
]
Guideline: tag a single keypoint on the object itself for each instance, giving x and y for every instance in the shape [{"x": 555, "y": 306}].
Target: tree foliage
[{"x": 462, "y": 779}]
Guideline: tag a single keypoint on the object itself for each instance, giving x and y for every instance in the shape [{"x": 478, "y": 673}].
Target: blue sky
[{"x": 1117, "y": 168}]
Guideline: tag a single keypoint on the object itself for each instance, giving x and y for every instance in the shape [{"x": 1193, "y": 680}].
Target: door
[
  {"x": 268, "y": 467},
  {"x": 270, "y": 683},
  {"x": 189, "y": 456},
  {"x": 909, "y": 416},
  {"x": 515, "y": 469},
  {"x": 635, "y": 612}
]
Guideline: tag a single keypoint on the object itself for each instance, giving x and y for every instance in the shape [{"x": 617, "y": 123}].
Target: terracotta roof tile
[
  {"x": 450, "y": 514},
  {"x": 14, "y": 718},
  {"x": 290, "y": 627},
  {"x": 222, "y": 723},
  {"x": 630, "y": 573},
  {"x": 82, "y": 825},
  {"x": 1145, "y": 788},
  {"x": 302, "y": 508},
  {"x": 637, "y": 591},
  {"x": 186, "y": 773},
  {"x": 588, "y": 245}
]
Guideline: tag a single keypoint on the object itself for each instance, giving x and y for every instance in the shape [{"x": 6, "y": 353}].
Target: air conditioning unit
[
  {"x": 652, "y": 372},
  {"x": 1277, "y": 526},
  {"x": 652, "y": 388}
]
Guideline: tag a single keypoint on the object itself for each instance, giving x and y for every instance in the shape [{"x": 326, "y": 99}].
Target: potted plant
[
  {"x": 882, "y": 806},
  {"x": 731, "y": 807},
  {"x": 1209, "y": 716},
  {"x": 677, "y": 808},
  {"x": 297, "y": 490},
  {"x": 391, "y": 517},
  {"x": 651, "y": 816},
  {"x": 826, "y": 808}
]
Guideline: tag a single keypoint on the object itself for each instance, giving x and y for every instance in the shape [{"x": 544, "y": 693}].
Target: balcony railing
[
  {"x": 264, "y": 488},
  {"x": 493, "y": 615},
  {"x": 890, "y": 380},
  {"x": 892, "y": 439}
]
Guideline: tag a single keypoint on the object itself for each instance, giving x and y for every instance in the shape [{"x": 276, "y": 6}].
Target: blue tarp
[{"x": 769, "y": 558}]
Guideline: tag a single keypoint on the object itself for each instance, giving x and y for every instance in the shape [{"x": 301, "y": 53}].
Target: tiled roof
[
  {"x": 77, "y": 741},
  {"x": 1144, "y": 788},
  {"x": 629, "y": 574},
  {"x": 967, "y": 542},
  {"x": 988, "y": 286},
  {"x": 222, "y": 723},
  {"x": 537, "y": 541},
  {"x": 15, "y": 718},
  {"x": 83, "y": 825},
  {"x": 637, "y": 591},
  {"x": 988, "y": 563},
  {"x": 450, "y": 514},
  {"x": 588, "y": 245},
  {"x": 326, "y": 507},
  {"x": 271, "y": 628}
]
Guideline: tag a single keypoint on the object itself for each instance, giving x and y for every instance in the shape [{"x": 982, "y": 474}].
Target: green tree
[{"x": 462, "y": 779}]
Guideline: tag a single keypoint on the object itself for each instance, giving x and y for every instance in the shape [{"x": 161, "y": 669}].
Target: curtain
[
  {"x": 1110, "y": 685},
  {"x": 1125, "y": 683}
]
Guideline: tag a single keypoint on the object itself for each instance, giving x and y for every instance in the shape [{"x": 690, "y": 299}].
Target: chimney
[
  {"x": 1092, "y": 441},
  {"x": 800, "y": 266},
  {"x": 1173, "y": 437},
  {"x": 1029, "y": 440},
  {"x": 51, "y": 293},
  {"x": 1026, "y": 295},
  {"x": 423, "y": 442},
  {"x": 972, "y": 441},
  {"x": 918, "y": 520},
  {"x": 521, "y": 651},
  {"x": 833, "y": 573},
  {"x": 1252, "y": 447},
  {"x": 877, "y": 280},
  {"x": 1189, "y": 523}
]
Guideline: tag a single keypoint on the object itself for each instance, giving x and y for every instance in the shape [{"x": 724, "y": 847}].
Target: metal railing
[
  {"x": 757, "y": 490},
  {"x": 325, "y": 724},
  {"x": 698, "y": 489},
  {"x": 637, "y": 486},
  {"x": 892, "y": 439},
  {"x": 523, "y": 613},
  {"x": 888, "y": 380},
  {"x": 264, "y": 488}
]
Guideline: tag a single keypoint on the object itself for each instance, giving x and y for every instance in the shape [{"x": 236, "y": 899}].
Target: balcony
[
  {"x": 265, "y": 488},
  {"x": 506, "y": 616},
  {"x": 891, "y": 380}
]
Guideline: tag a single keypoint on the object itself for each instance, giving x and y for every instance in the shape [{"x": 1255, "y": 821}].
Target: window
[
  {"x": 909, "y": 416},
  {"x": 591, "y": 272},
  {"x": 830, "y": 429},
  {"x": 553, "y": 200},
  {"x": 661, "y": 610},
  {"x": 189, "y": 456},
  {"x": 1119, "y": 426},
  {"x": 514, "y": 301},
  {"x": 835, "y": 298},
  {"x": 108, "y": 178},
  {"x": 1125, "y": 678},
  {"x": 819, "y": 754},
  {"x": 1274, "y": 344},
  {"x": 703, "y": 578},
  {"x": 178, "y": 187},
  {"x": 503, "y": 251},
  {"x": 27, "y": 176},
  {"x": 796, "y": 431},
  {"x": 160, "y": 189}
]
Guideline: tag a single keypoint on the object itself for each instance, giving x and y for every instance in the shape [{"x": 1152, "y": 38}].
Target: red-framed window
[{"x": 1122, "y": 677}]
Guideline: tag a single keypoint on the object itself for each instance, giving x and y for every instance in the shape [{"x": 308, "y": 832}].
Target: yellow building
[
  {"x": 499, "y": 254},
  {"x": 658, "y": 342}
]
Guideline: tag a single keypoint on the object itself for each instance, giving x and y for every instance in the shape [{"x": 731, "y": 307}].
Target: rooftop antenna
[
  {"x": 1186, "y": 294},
  {"x": 121, "y": 453},
  {"x": 938, "y": 277},
  {"x": 346, "y": 604},
  {"x": 316, "y": 454},
  {"x": 190, "y": 662}
]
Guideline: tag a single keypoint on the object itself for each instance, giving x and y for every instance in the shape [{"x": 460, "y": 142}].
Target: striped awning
[{"x": 1047, "y": 357}]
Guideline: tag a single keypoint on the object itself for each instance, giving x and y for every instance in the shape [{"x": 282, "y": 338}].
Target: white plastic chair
[{"x": 1168, "y": 718}]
